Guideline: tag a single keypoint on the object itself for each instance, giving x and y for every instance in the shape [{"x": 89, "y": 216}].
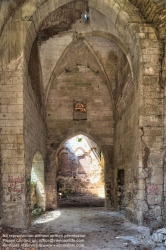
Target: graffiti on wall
[
  {"x": 15, "y": 187},
  {"x": 152, "y": 189}
]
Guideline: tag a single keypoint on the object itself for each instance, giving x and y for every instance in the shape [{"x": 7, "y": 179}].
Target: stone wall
[
  {"x": 34, "y": 131},
  {"x": 37, "y": 185},
  {"x": 12, "y": 139},
  {"x": 152, "y": 11},
  {"x": 20, "y": 116},
  {"x": 164, "y": 198},
  {"x": 80, "y": 83},
  {"x": 126, "y": 140},
  {"x": 12, "y": 147},
  {"x": 164, "y": 104},
  {"x": 151, "y": 123},
  {"x": 139, "y": 133}
]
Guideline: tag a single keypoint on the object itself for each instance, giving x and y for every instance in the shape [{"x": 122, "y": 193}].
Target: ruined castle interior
[{"x": 82, "y": 88}]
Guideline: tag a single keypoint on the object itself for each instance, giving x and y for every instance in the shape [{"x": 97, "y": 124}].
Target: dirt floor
[
  {"x": 89, "y": 228},
  {"x": 81, "y": 201}
]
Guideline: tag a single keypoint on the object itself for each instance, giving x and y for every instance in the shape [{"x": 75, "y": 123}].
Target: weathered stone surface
[
  {"x": 144, "y": 231},
  {"x": 152, "y": 11},
  {"x": 158, "y": 211},
  {"x": 157, "y": 237},
  {"x": 162, "y": 230}
]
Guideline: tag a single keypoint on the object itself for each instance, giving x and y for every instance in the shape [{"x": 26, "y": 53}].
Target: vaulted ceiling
[{"x": 154, "y": 11}]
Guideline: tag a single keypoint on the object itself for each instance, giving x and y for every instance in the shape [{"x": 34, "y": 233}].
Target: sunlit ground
[
  {"x": 48, "y": 216},
  {"x": 101, "y": 192},
  {"x": 103, "y": 229}
]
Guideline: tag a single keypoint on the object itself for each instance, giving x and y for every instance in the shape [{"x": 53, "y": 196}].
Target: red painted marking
[
  {"x": 152, "y": 189},
  {"x": 12, "y": 179}
]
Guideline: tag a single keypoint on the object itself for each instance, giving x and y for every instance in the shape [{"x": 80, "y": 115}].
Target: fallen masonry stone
[
  {"x": 157, "y": 225},
  {"x": 158, "y": 237},
  {"x": 144, "y": 230},
  {"x": 159, "y": 248},
  {"x": 162, "y": 230}
]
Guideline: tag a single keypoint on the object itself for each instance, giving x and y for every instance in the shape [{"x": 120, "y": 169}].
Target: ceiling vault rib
[
  {"x": 56, "y": 67},
  {"x": 97, "y": 60},
  {"x": 102, "y": 69}
]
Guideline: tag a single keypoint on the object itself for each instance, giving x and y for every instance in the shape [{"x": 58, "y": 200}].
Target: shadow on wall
[
  {"x": 80, "y": 173},
  {"x": 37, "y": 185}
]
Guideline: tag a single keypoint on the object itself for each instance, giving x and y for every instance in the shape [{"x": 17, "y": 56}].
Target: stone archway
[{"x": 80, "y": 173}]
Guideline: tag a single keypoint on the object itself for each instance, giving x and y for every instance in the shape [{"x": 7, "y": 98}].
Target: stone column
[
  {"x": 150, "y": 183},
  {"x": 12, "y": 138},
  {"x": 164, "y": 85},
  {"x": 51, "y": 188},
  {"x": 12, "y": 143},
  {"x": 109, "y": 177}
]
